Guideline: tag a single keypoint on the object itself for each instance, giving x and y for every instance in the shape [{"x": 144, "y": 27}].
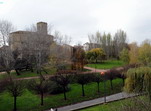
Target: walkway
[
  {"x": 95, "y": 70},
  {"x": 100, "y": 70},
  {"x": 97, "y": 101}
]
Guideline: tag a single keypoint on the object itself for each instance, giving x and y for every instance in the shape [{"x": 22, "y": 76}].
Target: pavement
[{"x": 97, "y": 101}]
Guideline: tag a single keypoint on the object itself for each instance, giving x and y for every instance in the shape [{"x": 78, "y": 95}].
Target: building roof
[
  {"x": 41, "y": 23},
  {"x": 21, "y": 32}
]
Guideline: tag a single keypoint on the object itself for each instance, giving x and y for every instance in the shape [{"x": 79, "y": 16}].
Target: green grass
[
  {"x": 108, "y": 64},
  {"x": 115, "y": 106},
  {"x": 29, "y": 101}
]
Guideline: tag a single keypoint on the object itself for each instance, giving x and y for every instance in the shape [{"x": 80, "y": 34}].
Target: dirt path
[
  {"x": 96, "y": 70},
  {"x": 101, "y": 70}
]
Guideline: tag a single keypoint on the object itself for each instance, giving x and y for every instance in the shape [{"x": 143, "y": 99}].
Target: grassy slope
[
  {"x": 29, "y": 101},
  {"x": 115, "y": 106},
  {"x": 107, "y": 64}
]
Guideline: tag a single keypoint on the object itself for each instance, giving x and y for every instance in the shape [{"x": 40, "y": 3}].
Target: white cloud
[{"x": 77, "y": 18}]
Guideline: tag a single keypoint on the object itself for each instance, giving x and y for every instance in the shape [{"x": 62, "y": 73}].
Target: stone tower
[{"x": 42, "y": 28}]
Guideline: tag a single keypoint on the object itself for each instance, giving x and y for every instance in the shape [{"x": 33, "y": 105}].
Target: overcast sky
[{"x": 78, "y": 18}]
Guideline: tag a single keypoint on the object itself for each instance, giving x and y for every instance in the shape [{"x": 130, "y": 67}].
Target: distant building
[{"x": 19, "y": 39}]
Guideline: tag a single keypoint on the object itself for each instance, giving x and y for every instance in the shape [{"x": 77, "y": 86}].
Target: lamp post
[{"x": 103, "y": 74}]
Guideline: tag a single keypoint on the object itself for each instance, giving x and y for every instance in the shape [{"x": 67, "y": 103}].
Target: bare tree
[
  {"x": 6, "y": 55},
  {"x": 61, "y": 51},
  {"x": 119, "y": 42},
  {"x": 6, "y": 59},
  {"x": 6, "y": 28},
  {"x": 112, "y": 47},
  {"x": 38, "y": 45}
]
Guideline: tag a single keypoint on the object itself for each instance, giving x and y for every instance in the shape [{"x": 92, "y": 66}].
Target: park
[
  {"x": 39, "y": 78},
  {"x": 75, "y": 55}
]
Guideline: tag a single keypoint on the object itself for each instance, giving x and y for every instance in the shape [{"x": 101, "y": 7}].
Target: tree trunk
[
  {"x": 15, "y": 108},
  {"x": 17, "y": 72},
  {"x": 31, "y": 68},
  {"x": 111, "y": 84},
  {"x": 96, "y": 61},
  {"x": 83, "y": 94},
  {"x": 123, "y": 81},
  {"x": 64, "y": 91},
  {"x": 98, "y": 87},
  {"x": 42, "y": 100}
]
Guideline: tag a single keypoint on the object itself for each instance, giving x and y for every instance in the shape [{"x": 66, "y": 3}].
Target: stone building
[{"x": 20, "y": 39}]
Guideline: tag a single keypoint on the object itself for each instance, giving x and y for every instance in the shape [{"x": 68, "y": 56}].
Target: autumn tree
[
  {"x": 124, "y": 55},
  {"x": 145, "y": 52},
  {"x": 78, "y": 58},
  {"x": 139, "y": 80},
  {"x": 96, "y": 54},
  {"x": 133, "y": 53}
]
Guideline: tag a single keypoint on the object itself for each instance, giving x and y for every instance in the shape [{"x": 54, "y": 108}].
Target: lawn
[
  {"x": 29, "y": 73},
  {"x": 116, "y": 106},
  {"x": 29, "y": 101},
  {"x": 108, "y": 64}
]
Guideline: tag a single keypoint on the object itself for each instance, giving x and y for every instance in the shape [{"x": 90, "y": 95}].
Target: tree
[
  {"x": 6, "y": 54},
  {"x": 6, "y": 28},
  {"x": 83, "y": 79},
  {"x": 78, "y": 58},
  {"x": 97, "y": 78},
  {"x": 109, "y": 45},
  {"x": 112, "y": 47},
  {"x": 133, "y": 53},
  {"x": 139, "y": 80},
  {"x": 6, "y": 59},
  {"x": 38, "y": 46},
  {"x": 41, "y": 87},
  {"x": 124, "y": 55},
  {"x": 4, "y": 82},
  {"x": 145, "y": 52},
  {"x": 15, "y": 88},
  {"x": 61, "y": 51},
  {"x": 96, "y": 54},
  {"x": 62, "y": 80},
  {"x": 119, "y": 42}
]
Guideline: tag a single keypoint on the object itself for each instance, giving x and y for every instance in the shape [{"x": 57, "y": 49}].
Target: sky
[{"x": 78, "y": 18}]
